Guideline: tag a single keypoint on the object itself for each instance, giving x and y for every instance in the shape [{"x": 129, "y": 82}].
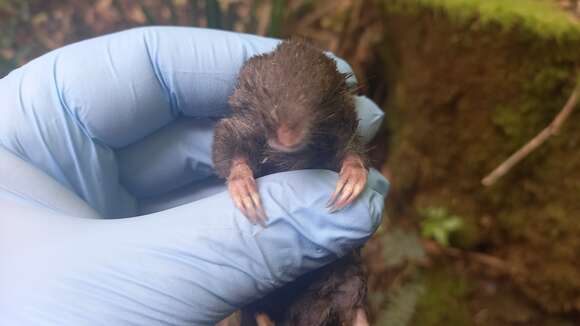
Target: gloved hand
[{"x": 119, "y": 126}]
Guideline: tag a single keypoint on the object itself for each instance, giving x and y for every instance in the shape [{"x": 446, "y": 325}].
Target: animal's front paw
[
  {"x": 352, "y": 181},
  {"x": 244, "y": 192}
]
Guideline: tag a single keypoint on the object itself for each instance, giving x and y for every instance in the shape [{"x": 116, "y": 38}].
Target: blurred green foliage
[
  {"x": 437, "y": 223},
  {"x": 540, "y": 17},
  {"x": 443, "y": 299},
  {"x": 400, "y": 246},
  {"x": 29, "y": 28},
  {"x": 401, "y": 304},
  {"x": 402, "y": 252}
]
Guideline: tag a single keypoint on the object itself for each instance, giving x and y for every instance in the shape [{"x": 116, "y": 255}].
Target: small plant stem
[
  {"x": 549, "y": 131},
  {"x": 489, "y": 261}
]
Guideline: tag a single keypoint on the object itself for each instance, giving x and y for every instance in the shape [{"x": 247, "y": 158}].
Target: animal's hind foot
[
  {"x": 263, "y": 320},
  {"x": 360, "y": 318}
]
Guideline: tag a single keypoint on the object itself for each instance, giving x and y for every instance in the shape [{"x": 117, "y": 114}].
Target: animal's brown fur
[
  {"x": 296, "y": 85},
  {"x": 296, "y": 82}
]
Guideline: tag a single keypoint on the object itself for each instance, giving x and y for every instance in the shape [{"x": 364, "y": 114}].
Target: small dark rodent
[
  {"x": 292, "y": 110},
  {"x": 297, "y": 86}
]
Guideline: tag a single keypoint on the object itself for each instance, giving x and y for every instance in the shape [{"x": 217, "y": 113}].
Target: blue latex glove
[{"x": 121, "y": 125}]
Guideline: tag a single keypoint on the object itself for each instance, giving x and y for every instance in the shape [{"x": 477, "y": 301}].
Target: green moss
[
  {"x": 401, "y": 304},
  {"x": 508, "y": 119},
  {"x": 469, "y": 236},
  {"x": 542, "y": 96},
  {"x": 444, "y": 299},
  {"x": 541, "y": 17},
  {"x": 439, "y": 224},
  {"x": 400, "y": 246}
]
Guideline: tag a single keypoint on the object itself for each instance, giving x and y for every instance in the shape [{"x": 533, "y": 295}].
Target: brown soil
[{"x": 464, "y": 97}]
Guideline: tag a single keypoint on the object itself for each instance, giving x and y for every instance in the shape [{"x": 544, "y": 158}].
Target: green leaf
[
  {"x": 213, "y": 14},
  {"x": 438, "y": 224}
]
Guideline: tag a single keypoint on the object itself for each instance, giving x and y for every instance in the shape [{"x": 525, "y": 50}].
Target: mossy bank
[{"x": 473, "y": 82}]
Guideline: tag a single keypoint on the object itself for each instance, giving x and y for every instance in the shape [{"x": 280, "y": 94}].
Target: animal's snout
[{"x": 288, "y": 139}]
